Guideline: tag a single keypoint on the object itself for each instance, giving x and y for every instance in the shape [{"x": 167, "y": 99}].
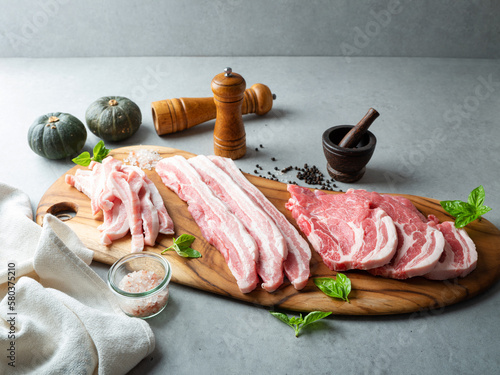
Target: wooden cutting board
[{"x": 370, "y": 295}]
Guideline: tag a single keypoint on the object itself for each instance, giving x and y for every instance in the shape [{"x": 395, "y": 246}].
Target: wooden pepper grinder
[
  {"x": 229, "y": 131},
  {"x": 174, "y": 115}
]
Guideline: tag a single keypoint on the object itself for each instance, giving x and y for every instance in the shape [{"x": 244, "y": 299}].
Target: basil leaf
[
  {"x": 482, "y": 210},
  {"x": 100, "y": 152},
  {"x": 476, "y": 197},
  {"x": 173, "y": 247},
  {"x": 297, "y": 322},
  {"x": 83, "y": 159},
  {"x": 98, "y": 147},
  {"x": 189, "y": 253},
  {"x": 345, "y": 284},
  {"x": 335, "y": 288},
  {"x": 329, "y": 287},
  {"x": 181, "y": 246},
  {"x": 283, "y": 317},
  {"x": 455, "y": 208},
  {"x": 314, "y": 316},
  {"x": 466, "y": 212},
  {"x": 185, "y": 240},
  {"x": 462, "y": 220}
]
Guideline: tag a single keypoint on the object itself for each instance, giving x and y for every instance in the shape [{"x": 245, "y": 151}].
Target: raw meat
[
  {"x": 166, "y": 225},
  {"x": 270, "y": 242},
  {"x": 420, "y": 243},
  {"x": 149, "y": 215},
  {"x": 345, "y": 230},
  {"x": 126, "y": 188},
  {"x": 218, "y": 224},
  {"x": 296, "y": 265},
  {"x": 115, "y": 223},
  {"x": 459, "y": 257},
  {"x": 128, "y": 199}
]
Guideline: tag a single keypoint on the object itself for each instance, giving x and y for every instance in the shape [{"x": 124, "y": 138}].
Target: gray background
[
  {"x": 432, "y": 72},
  {"x": 427, "y": 28}
]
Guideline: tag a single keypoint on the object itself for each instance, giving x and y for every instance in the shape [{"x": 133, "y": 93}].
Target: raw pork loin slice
[
  {"x": 296, "y": 264},
  {"x": 459, "y": 257},
  {"x": 420, "y": 243},
  {"x": 270, "y": 242},
  {"x": 218, "y": 224},
  {"x": 344, "y": 229}
]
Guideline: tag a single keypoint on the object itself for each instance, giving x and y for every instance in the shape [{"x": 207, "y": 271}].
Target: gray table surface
[{"x": 438, "y": 136}]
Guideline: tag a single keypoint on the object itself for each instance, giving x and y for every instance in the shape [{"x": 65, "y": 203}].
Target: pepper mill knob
[{"x": 229, "y": 131}]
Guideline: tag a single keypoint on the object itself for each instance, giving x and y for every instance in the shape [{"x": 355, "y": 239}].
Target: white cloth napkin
[{"x": 66, "y": 320}]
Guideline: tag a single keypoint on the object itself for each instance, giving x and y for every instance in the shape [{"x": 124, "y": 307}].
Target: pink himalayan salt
[
  {"x": 143, "y": 158},
  {"x": 139, "y": 282}
]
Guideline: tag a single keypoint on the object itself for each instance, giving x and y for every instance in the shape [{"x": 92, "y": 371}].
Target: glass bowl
[{"x": 140, "y": 282}]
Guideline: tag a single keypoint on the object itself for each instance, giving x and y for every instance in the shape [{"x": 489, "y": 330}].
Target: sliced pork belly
[
  {"x": 137, "y": 208},
  {"x": 166, "y": 224},
  {"x": 218, "y": 224},
  {"x": 270, "y": 242},
  {"x": 459, "y": 257},
  {"x": 420, "y": 243},
  {"x": 103, "y": 197},
  {"x": 149, "y": 215},
  {"x": 82, "y": 181},
  {"x": 116, "y": 224},
  {"x": 126, "y": 188},
  {"x": 296, "y": 264},
  {"x": 345, "y": 230}
]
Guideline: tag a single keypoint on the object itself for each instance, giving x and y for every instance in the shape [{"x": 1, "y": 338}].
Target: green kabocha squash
[
  {"x": 57, "y": 135},
  {"x": 113, "y": 118}
]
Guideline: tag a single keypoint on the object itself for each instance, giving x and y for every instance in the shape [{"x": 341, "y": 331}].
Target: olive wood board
[{"x": 370, "y": 295}]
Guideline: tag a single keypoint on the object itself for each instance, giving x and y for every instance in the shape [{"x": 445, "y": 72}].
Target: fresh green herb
[
  {"x": 466, "y": 212},
  {"x": 336, "y": 288},
  {"x": 100, "y": 152},
  {"x": 182, "y": 247},
  {"x": 297, "y": 323}
]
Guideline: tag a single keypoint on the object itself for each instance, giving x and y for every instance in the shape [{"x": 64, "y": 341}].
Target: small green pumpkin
[
  {"x": 57, "y": 135},
  {"x": 113, "y": 118}
]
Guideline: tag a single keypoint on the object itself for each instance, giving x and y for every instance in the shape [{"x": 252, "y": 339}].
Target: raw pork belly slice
[
  {"x": 420, "y": 243},
  {"x": 296, "y": 264},
  {"x": 218, "y": 224},
  {"x": 459, "y": 257},
  {"x": 270, "y": 242},
  {"x": 149, "y": 215},
  {"x": 128, "y": 199},
  {"x": 344, "y": 229},
  {"x": 115, "y": 223},
  {"x": 166, "y": 224},
  {"x": 126, "y": 188}
]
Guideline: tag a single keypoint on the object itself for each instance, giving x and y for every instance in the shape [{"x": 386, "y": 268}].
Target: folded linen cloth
[{"x": 60, "y": 317}]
